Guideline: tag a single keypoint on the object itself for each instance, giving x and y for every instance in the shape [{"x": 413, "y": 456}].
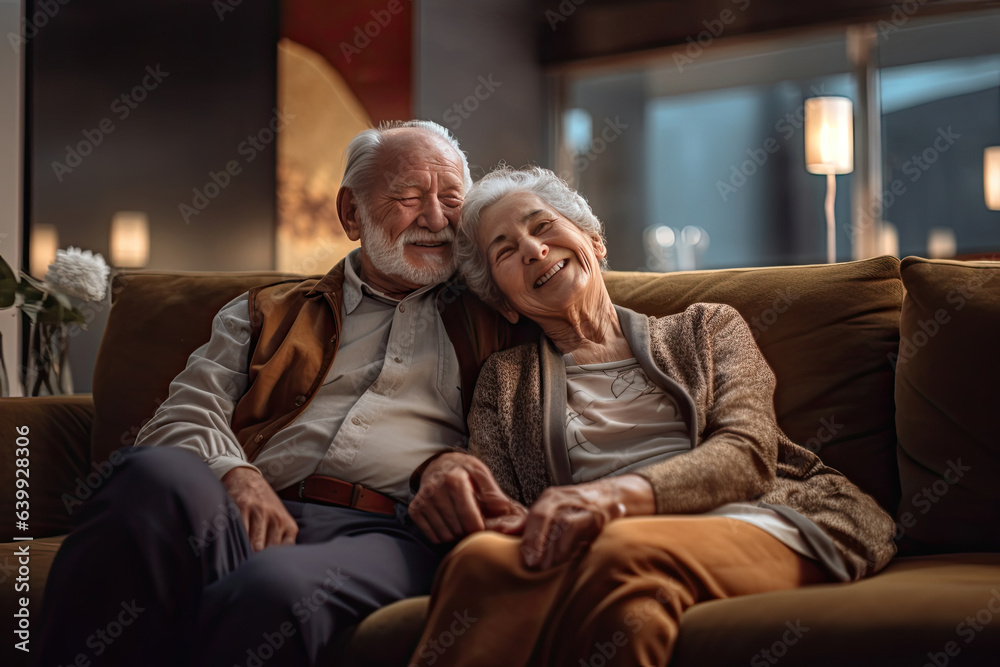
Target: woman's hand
[
  {"x": 566, "y": 519},
  {"x": 459, "y": 496}
]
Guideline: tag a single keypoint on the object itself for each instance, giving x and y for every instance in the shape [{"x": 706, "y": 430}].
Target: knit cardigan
[{"x": 706, "y": 358}]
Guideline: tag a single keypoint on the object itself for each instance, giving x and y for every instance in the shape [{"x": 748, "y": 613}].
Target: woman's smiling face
[{"x": 540, "y": 261}]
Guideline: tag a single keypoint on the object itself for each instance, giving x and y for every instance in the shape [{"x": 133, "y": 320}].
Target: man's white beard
[{"x": 390, "y": 259}]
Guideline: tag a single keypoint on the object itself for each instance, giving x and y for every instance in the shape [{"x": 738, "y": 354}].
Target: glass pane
[
  {"x": 699, "y": 162},
  {"x": 940, "y": 111}
]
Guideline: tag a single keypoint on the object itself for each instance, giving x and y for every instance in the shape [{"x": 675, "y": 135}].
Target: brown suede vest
[{"x": 295, "y": 333}]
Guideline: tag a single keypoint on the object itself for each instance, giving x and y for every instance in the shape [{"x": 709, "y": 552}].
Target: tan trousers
[{"x": 617, "y": 604}]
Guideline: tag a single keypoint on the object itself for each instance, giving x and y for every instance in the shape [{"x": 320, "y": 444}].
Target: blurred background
[{"x": 208, "y": 134}]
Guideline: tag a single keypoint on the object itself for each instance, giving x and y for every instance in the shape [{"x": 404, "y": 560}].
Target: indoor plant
[{"x": 47, "y": 304}]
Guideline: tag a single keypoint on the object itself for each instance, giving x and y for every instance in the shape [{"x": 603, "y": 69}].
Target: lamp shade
[
  {"x": 43, "y": 246},
  {"x": 829, "y": 135},
  {"x": 991, "y": 177},
  {"x": 130, "y": 239}
]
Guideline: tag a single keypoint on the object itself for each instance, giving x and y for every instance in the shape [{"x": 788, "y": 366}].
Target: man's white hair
[{"x": 362, "y": 154}]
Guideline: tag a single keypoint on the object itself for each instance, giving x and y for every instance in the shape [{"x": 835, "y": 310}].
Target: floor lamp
[{"x": 829, "y": 127}]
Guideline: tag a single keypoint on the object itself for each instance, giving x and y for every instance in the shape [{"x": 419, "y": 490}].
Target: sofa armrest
[{"x": 58, "y": 443}]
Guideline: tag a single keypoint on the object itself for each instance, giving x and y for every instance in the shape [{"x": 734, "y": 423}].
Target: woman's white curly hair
[{"x": 502, "y": 181}]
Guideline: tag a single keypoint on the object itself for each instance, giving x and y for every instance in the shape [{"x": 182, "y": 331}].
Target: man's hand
[
  {"x": 458, "y": 496},
  {"x": 566, "y": 519},
  {"x": 264, "y": 515}
]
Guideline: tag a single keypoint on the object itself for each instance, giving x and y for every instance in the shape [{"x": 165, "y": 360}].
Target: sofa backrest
[
  {"x": 156, "y": 321},
  {"x": 825, "y": 330}
]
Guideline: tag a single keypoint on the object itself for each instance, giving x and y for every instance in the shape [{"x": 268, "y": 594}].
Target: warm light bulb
[
  {"x": 991, "y": 177},
  {"x": 129, "y": 239},
  {"x": 941, "y": 243},
  {"x": 43, "y": 246}
]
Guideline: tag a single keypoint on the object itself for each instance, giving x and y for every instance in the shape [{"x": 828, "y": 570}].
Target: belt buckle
[
  {"x": 302, "y": 490},
  {"x": 356, "y": 490}
]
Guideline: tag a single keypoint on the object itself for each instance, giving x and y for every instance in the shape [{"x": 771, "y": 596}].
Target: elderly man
[{"x": 264, "y": 511}]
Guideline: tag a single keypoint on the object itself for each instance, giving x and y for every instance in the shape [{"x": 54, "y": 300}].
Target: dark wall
[
  {"x": 199, "y": 87},
  {"x": 478, "y": 74}
]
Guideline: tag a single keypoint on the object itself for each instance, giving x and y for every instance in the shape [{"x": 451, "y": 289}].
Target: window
[
  {"x": 940, "y": 110},
  {"x": 699, "y": 162}
]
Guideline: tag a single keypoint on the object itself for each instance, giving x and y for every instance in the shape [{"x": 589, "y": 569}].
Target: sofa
[{"x": 888, "y": 369}]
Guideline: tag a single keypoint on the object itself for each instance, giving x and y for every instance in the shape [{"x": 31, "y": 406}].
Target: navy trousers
[{"x": 159, "y": 571}]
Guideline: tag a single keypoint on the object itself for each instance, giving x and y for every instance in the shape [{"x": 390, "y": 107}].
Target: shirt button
[
  {"x": 299, "y": 400},
  {"x": 398, "y": 360},
  {"x": 259, "y": 437},
  {"x": 402, "y": 308},
  {"x": 356, "y": 421}
]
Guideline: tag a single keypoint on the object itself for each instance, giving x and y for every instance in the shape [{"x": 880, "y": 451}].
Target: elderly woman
[{"x": 645, "y": 449}]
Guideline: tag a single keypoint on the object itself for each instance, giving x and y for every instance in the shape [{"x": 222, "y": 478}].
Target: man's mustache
[{"x": 446, "y": 235}]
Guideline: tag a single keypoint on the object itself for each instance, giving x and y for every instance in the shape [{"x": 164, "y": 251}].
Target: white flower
[{"x": 79, "y": 273}]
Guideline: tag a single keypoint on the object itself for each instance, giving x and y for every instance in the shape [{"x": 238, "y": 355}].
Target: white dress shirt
[{"x": 391, "y": 399}]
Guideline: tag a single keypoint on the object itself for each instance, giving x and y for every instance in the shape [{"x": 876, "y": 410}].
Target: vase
[{"x": 47, "y": 372}]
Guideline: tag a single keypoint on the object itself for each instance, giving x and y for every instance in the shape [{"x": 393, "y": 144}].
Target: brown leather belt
[{"x": 332, "y": 491}]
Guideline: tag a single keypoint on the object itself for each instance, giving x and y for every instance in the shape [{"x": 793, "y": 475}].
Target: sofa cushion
[
  {"x": 387, "y": 637},
  {"x": 914, "y": 609},
  {"x": 947, "y": 370},
  {"x": 157, "y": 320},
  {"x": 826, "y": 331},
  {"x": 61, "y": 478}
]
